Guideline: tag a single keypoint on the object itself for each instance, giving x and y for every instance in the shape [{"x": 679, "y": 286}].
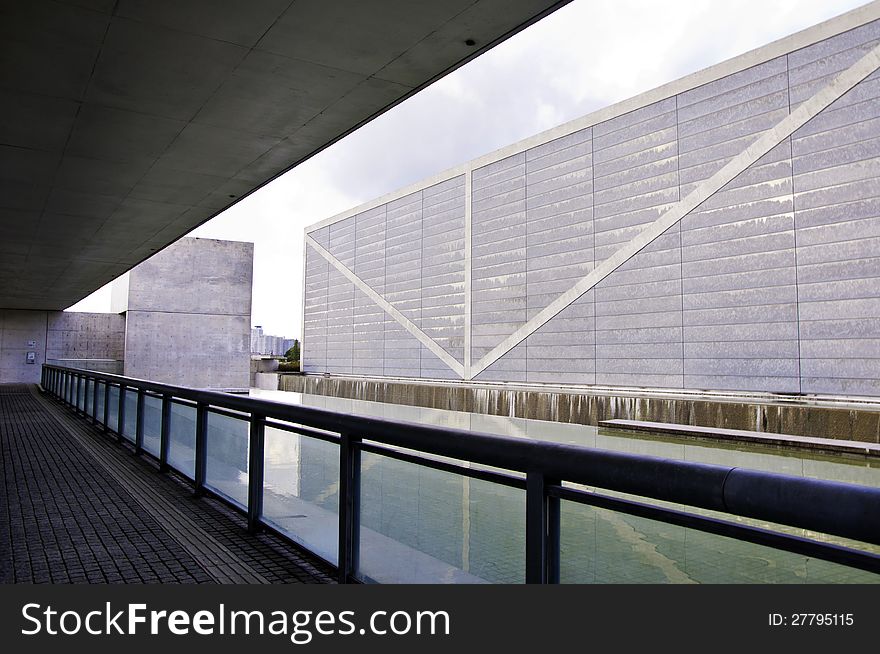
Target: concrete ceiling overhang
[{"x": 124, "y": 124}]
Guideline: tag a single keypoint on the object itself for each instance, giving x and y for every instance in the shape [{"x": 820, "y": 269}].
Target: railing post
[
  {"x": 201, "y": 468},
  {"x": 106, "y": 405},
  {"x": 94, "y": 401},
  {"x": 165, "y": 434},
  {"x": 139, "y": 425},
  {"x": 349, "y": 507},
  {"x": 542, "y": 531},
  {"x": 120, "y": 414},
  {"x": 553, "y": 527},
  {"x": 77, "y": 379},
  {"x": 256, "y": 464}
]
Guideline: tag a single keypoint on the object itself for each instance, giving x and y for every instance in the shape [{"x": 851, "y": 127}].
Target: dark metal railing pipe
[
  {"x": 349, "y": 507},
  {"x": 165, "y": 434},
  {"x": 201, "y": 462},
  {"x": 542, "y": 530},
  {"x": 256, "y": 464}
]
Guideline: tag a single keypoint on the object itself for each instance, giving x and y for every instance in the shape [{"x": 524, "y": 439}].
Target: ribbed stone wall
[{"x": 770, "y": 282}]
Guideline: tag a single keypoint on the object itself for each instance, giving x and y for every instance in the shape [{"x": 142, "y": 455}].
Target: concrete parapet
[{"x": 835, "y": 418}]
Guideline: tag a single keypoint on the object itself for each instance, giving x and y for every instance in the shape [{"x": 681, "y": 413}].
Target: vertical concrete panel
[
  {"x": 74, "y": 337},
  {"x": 340, "y": 299},
  {"x": 197, "y": 350},
  {"x": 836, "y": 164},
  {"x": 18, "y": 328},
  {"x": 188, "y": 321},
  {"x": 317, "y": 277},
  {"x": 368, "y": 318},
  {"x": 442, "y": 280},
  {"x": 403, "y": 279},
  {"x": 738, "y": 257},
  {"x": 559, "y": 251},
  {"x": 195, "y": 276},
  {"x": 498, "y": 261},
  {"x": 638, "y": 307}
]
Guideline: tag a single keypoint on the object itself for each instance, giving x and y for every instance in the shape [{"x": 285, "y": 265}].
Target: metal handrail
[{"x": 846, "y": 510}]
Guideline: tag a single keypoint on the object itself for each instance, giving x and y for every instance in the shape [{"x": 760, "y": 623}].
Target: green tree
[{"x": 292, "y": 354}]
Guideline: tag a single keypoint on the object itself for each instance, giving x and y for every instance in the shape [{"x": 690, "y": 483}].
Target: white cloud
[{"x": 587, "y": 55}]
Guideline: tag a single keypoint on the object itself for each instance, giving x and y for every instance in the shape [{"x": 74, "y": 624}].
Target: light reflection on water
[{"x": 424, "y": 525}]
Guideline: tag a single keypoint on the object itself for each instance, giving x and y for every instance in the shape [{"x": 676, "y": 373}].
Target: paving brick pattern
[{"x": 68, "y": 518}]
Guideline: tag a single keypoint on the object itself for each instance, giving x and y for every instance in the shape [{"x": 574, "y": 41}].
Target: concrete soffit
[{"x": 741, "y": 162}]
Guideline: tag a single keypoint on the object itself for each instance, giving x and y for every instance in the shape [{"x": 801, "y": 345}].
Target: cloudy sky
[{"x": 587, "y": 55}]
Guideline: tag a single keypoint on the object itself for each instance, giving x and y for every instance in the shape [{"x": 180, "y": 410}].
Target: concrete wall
[
  {"x": 265, "y": 366},
  {"x": 767, "y": 282},
  {"x": 267, "y": 381},
  {"x": 858, "y": 421},
  {"x": 85, "y": 336},
  {"x": 17, "y": 329},
  {"x": 73, "y": 339},
  {"x": 188, "y": 318}
]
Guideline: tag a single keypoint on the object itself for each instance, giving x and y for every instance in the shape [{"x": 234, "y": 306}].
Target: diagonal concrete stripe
[
  {"x": 217, "y": 560},
  {"x": 766, "y": 142},
  {"x": 388, "y": 308}
]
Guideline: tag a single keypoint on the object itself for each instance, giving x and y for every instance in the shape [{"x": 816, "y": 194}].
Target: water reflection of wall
[{"x": 434, "y": 524}]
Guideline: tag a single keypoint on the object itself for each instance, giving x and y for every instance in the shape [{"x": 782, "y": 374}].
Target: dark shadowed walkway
[{"x": 79, "y": 507}]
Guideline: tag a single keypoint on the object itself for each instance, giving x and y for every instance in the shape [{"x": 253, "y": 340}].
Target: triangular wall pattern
[{"x": 771, "y": 283}]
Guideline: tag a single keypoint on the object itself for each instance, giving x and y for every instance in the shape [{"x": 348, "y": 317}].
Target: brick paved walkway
[{"x": 78, "y": 507}]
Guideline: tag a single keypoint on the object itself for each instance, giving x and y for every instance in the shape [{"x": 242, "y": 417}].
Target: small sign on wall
[
  {"x": 32, "y": 344},
  {"x": 30, "y": 357}
]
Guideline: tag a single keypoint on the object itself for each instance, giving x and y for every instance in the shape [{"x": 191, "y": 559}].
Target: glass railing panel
[
  {"x": 226, "y": 469},
  {"x": 129, "y": 429},
  {"x": 113, "y": 412},
  {"x": 152, "y": 424},
  {"x": 421, "y": 525},
  {"x": 99, "y": 389},
  {"x": 81, "y": 394},
  {"x": 602, "y": 546},
  {"x": 182, "y": 448},
  {"x": 301, "y": 490},
  {"x": 90, "y": 397}
]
